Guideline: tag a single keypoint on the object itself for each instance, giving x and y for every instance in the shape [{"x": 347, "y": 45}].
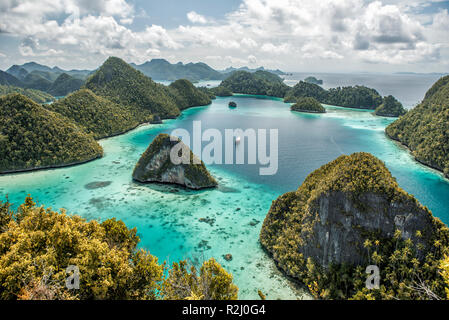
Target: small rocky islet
[{"x": 155, "y": 165}]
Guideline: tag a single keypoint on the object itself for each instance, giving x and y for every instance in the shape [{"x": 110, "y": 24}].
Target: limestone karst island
[{"x": 250, "y": 151}]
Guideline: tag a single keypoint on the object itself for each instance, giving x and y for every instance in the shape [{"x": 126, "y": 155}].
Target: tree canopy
[
  {"x": 35, "y": 95},
  {"x": 95, "y": 114},
  {"x": 425, "y": 128},
  {"x": 38, "y": 244},
  {"x": 308, "y": 105},
  {"x": 409, "y": 262},
  {"x": 259, "y": 83},
  {"x": 34, "y": 137},
  {"x": 390, "y": 107}
]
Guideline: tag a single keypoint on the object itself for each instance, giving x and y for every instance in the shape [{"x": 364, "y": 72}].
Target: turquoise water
[{"x": 168, "y": 217}]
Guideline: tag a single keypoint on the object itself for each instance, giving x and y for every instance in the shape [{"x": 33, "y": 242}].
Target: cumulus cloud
[
  {"x": 196, "y": 18},
  {"x": 303, "y": 32}
]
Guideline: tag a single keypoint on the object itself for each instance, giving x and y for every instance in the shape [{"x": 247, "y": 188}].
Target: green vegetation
[
  {"x": 409, "y": 262},
  {"x": 62, "y": 133},
  {"x": 354, "y": 97},
  {"x": 51, "y": 74},
  {"x": 308, "y": 105},
  {"x": 390, "y": 107},
  {"x": 119, "y": 82},
  {"x": 313, "y": 80},
  {"x": 65, "y": 84},
  {"x": 155, "y": 165},
  {"x": 187, "y": 95},
  {"x": 425, "y": 128},
  {"x": 221, "y": 91},
  {"x": 350, "y": 97},
  {"x": 259, "y": 83},
  {"x": 35, "y": 81},
  {"x": 211, "y": 283},
  {"x": 95, "y": 114},
  {"x": 9, "y": 80},
  {"x": 305, "y": 90},
  {"x": 33, "y": 137},
  {"x": 35, "y": 95},
  {"x": 38, "y": 244}
]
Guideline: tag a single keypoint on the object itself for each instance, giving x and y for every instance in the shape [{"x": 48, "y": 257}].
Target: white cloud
[
  {"x": 252, "y": 59},
  {"x": 306, "y": 33},
  {"x": 196, "y": 18}
]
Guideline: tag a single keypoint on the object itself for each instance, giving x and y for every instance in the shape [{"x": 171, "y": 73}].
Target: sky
[{"x": 292, "y": 35}]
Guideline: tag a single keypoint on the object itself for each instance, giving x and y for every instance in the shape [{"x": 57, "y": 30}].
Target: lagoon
[{"x": 176, "y": 223}]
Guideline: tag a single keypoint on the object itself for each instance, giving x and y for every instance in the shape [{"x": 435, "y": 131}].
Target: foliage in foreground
[{"x": 38, "y": 244}]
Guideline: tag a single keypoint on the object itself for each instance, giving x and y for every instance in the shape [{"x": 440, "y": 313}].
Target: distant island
[
  {"x": 55, "y": 81},
  {"x": 32, "y": 75},
  {"x": 257, "y": 83},
  {"x": 424, "y": 129},
  {"x": 161, "y": 69},
  {"x": 308, "y": 104},
  {"x": 313, "y": 80},
  {"x": 231, "y": 69},
  {"x": 359, "y": 97}
]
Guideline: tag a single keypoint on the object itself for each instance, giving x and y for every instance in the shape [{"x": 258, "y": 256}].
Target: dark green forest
[
  {"x": 425, "y": 128},
  {"x": 308, "y": 105},
  {"x": 95, "y": 114},
  {"x": 34, "y": 137},
  {"x": 259, "y": 83}
]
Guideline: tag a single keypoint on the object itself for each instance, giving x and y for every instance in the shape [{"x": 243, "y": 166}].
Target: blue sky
[
  {"x": 293, "y": 35},
  {"x": 172, "y": 13}
]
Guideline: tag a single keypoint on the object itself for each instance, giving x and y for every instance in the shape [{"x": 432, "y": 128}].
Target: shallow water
[{"x": 175, "y": 223}]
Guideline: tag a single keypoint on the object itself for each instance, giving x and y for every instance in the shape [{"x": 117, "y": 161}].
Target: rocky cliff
[
  {"x": 349, "y": 214},
  {"x": 155, "y": 165},
  {"x": 337, "y": 208}
]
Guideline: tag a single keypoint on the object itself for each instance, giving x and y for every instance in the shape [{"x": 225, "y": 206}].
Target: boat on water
[{"x": 232, "y": 104}]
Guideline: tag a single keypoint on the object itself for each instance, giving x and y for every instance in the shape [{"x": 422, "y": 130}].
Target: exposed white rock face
[{"x": 342, "y": 225}]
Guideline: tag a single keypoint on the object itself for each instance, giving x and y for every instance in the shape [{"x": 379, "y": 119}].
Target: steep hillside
[
  {"x": 35, "y": 95},
  {"x": 95, "y": 114},
  {"x": 259, "y": 83},
  {"x": 65, "y": 84},
  {"x": 122, "y": 84},
  {"x": 350, "y": 214},
  {"x": 33, "y": 137},
  {"x": 425, "y": 128}
]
